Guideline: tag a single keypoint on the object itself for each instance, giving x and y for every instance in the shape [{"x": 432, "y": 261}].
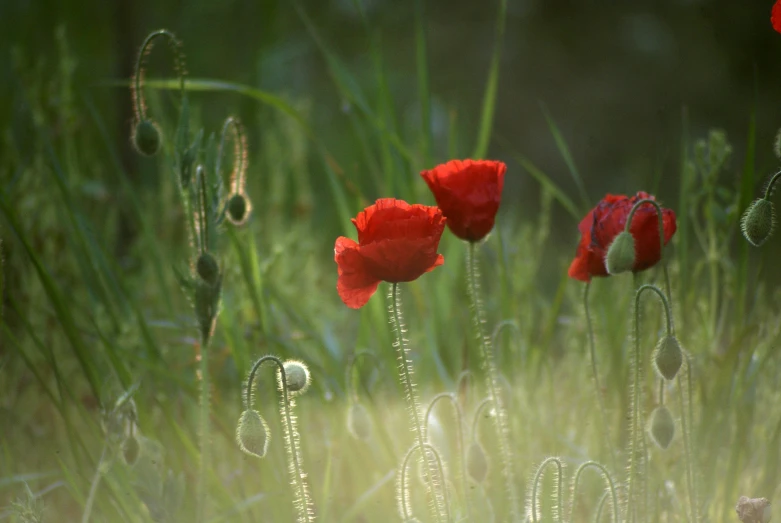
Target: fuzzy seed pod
[
  {"x": 207, "y": 268},
  {"x": 476, "y": 462},
  {"x": 662, "y": 427},
  {"x": 238, "y": 209},
  {"x": 147, "y": 138},
  {"x": 252, "y": 434},
  {"x": 297, "y": 375},
  {"x": 621, "y": 254},
  {"x": 359, "y": 423},
  {"x": 668, "y": 357},
  {"x": 758, "y": 222},
  {"x": 130, "y": 450}
]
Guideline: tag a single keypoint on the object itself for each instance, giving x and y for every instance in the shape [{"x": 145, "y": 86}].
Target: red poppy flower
[
  {"x": 397, "y": 242},
  {"x": 468, "y": 192},
  {"x": 606, "y": 220},
  {"x": 775, "y": 16}
]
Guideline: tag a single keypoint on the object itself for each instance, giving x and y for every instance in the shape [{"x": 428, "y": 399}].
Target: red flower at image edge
[
  {"x": 397, "y": 242},
  {"x": 468, "y": 192},
  {"x": 603, "y": 223},
  {"x": 775, "y": 16}
]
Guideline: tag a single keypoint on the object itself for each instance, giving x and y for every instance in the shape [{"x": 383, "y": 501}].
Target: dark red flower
[
  {"x": 397, "y": 242},
  {"x": 606, "y": 220},
  {"x": 775, "y": 16},
  {"x": 468, "y": 192}
]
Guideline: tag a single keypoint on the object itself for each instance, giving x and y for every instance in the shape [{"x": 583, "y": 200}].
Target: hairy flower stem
[
  {"x": 686, "y": 426},
  {"x": 595, "y": 377},
  {"x": 202, "y": 503},
  {"x": 303, "y": 500},
  {"x": 770, "y": 184},
  {"x": 139, "y": 103},
  {"x": 660, "y": 215},
  {"x": 610, "y": 489},
  {"x": 534, "y": 502},
  {"x": 460, "y": 449},
  {"x": 402, "y": 496},
  {"x": 93, "y": 489},
  {"x": 413, "y": 403},
  {"x": 492, "y": 383}
]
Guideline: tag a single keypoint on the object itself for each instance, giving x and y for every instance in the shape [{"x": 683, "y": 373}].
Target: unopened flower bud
[
  {"x": 476, "y": 462},
  {"x": 252, "y": 434},
  {"x": 130, "y": 450},
  {"x": 621, "y": 254},
  {"x": 359, "y": 423},
  {"x": 238, "y": 209},
  {"x": 207, "y": 267},
  {"x": 662, "y": 427},
  {"x": 147, "y": 138},
  {"x": 668, "y": 357},
  {"x": 297, "y": 376},
  {"x": 758, "y": 222}
]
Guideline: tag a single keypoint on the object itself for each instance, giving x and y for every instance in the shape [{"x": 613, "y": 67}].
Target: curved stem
[
  {"x": 239, "y": 154},
  {"x": 492, "y": 383},
  {"x": 93, "y": 489},
  {"x": 559, "y": 510},
  {"x": 611, "y": 487},
  {"x": 413, "y": 403},
  {"x": 503, "y": 325},
  {"x": 601, "y": 507},
  {"x": 595, "y": 375},
  {"x": 459, "y": 438},
  {"x": 303, "y": 501},
  {"x": 687, "y": 443},
  {"x": 476, "y": 418},
  {"x": 662, "y": 243},
  {"x": 352, "y": 390},
  {"x": 770, "y": 184},
  {"x": 405, "y": 506},
  {"x": 202, "y": 210},
  {"x": 139, "y": 103}
]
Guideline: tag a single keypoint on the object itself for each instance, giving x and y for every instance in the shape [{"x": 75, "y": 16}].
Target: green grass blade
[
  {"x": 682, "y": 215},
  {"x": 424, "y": 94},
  {"x": 745, "y": 196},
  {"x": 561, "y": 145},
  {"x": 491, "y": 86}
]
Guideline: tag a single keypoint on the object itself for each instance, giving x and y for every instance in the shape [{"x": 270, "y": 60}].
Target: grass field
[{"x": 103, "y": 360}]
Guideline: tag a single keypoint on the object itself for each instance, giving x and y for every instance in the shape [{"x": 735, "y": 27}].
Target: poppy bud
[
  {"x": 297, "y": 376},
  {"x": 758, "y": 222},
  {"x": 621, "y": 254},
  {"x": 207, "y": 268},
  {"x": 662, "y": 427},
  {"x": 359, "y": 423},
  {"x": 476, "y": 462},
  {"x": 147, "y": 138},
  {"x": 252, "y": 434},
  {"x": 668, "y": 357},
  {"x": 238, "y": 209},
  {"x": 130, "y": 450}
]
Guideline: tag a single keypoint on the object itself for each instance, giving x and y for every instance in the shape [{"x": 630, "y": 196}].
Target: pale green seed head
[
  {"x": 621, "y": 254},
  {"x": 758, "y": 222},
  {"x": 662, "y": 427},
  {"x": 252, "y": 434},
  {"x": 668, "y": 357},
  {"x": 476, "y": 462}
]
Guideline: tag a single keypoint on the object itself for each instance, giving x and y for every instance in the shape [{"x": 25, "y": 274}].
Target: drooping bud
[
  {"x": 297, "y": 376},
  {"x": 621, "y": 254},
  {"x": 252, "y": 434},
  {"x": 758, "y": 222},
  {"x": 130, "y": 450},
  {"x": 238, "y": 209},
  {"x": 147, "y": 138},
  {"x": 476, "y": 462},
  {"x": 668, "y": 357},
  {"x": 662, "y": 427},
  {"x": 359, "y": 423},
  {"x": 207, "y": 268},
  {"x": 753, "y": 510}
]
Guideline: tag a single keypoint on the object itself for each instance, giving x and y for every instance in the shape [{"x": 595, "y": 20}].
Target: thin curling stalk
[
  {"x": 534, "y": 501},
  {"x": 402, "y": 487},
  {"x": 413, "y": 403},
  {"x": 609, "y": 483},
  {"x": 303, "y": 500},
  {"x": 459, "y": 439},
  {"x": 501, "y": 424},
  {"x": 660, "y": 215}
]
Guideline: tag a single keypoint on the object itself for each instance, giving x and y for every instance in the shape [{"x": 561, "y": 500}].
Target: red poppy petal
[
  {"x": 401, "y": 260},
  {"x": 578, "y": 269},
  {"x": 775, "y": 16},
  {"x": 354, "y": 284},
  {"x": 439, "y": 261}
]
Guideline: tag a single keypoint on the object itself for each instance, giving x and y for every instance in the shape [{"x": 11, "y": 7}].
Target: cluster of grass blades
[{"x": 124, "y": 376}]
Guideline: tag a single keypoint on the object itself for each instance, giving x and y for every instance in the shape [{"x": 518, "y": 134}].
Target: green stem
[
  {"x": 352, "y": 389},
  {"x": 558, "y": 509},
  {"x": 660, "y": 215},
  {"x": 492, "y": 383},
  {"x": 405, "y": 506},
  {"x": 139, "y": 103},
  {"x": 303, "y": 501},
  {"x": 203, "y": 432},
  {"x": 93, "y": 489},
  {"x": 611, "y": 488},
  {"x": 687, "y": 444},
  {"x": 769, "y": 188},
  {"x": 239, "y": 154},
  {"x": 459, "y": 439},
  {"x": 595, "y": 376},
  {"x": 413, "y": 403}
]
